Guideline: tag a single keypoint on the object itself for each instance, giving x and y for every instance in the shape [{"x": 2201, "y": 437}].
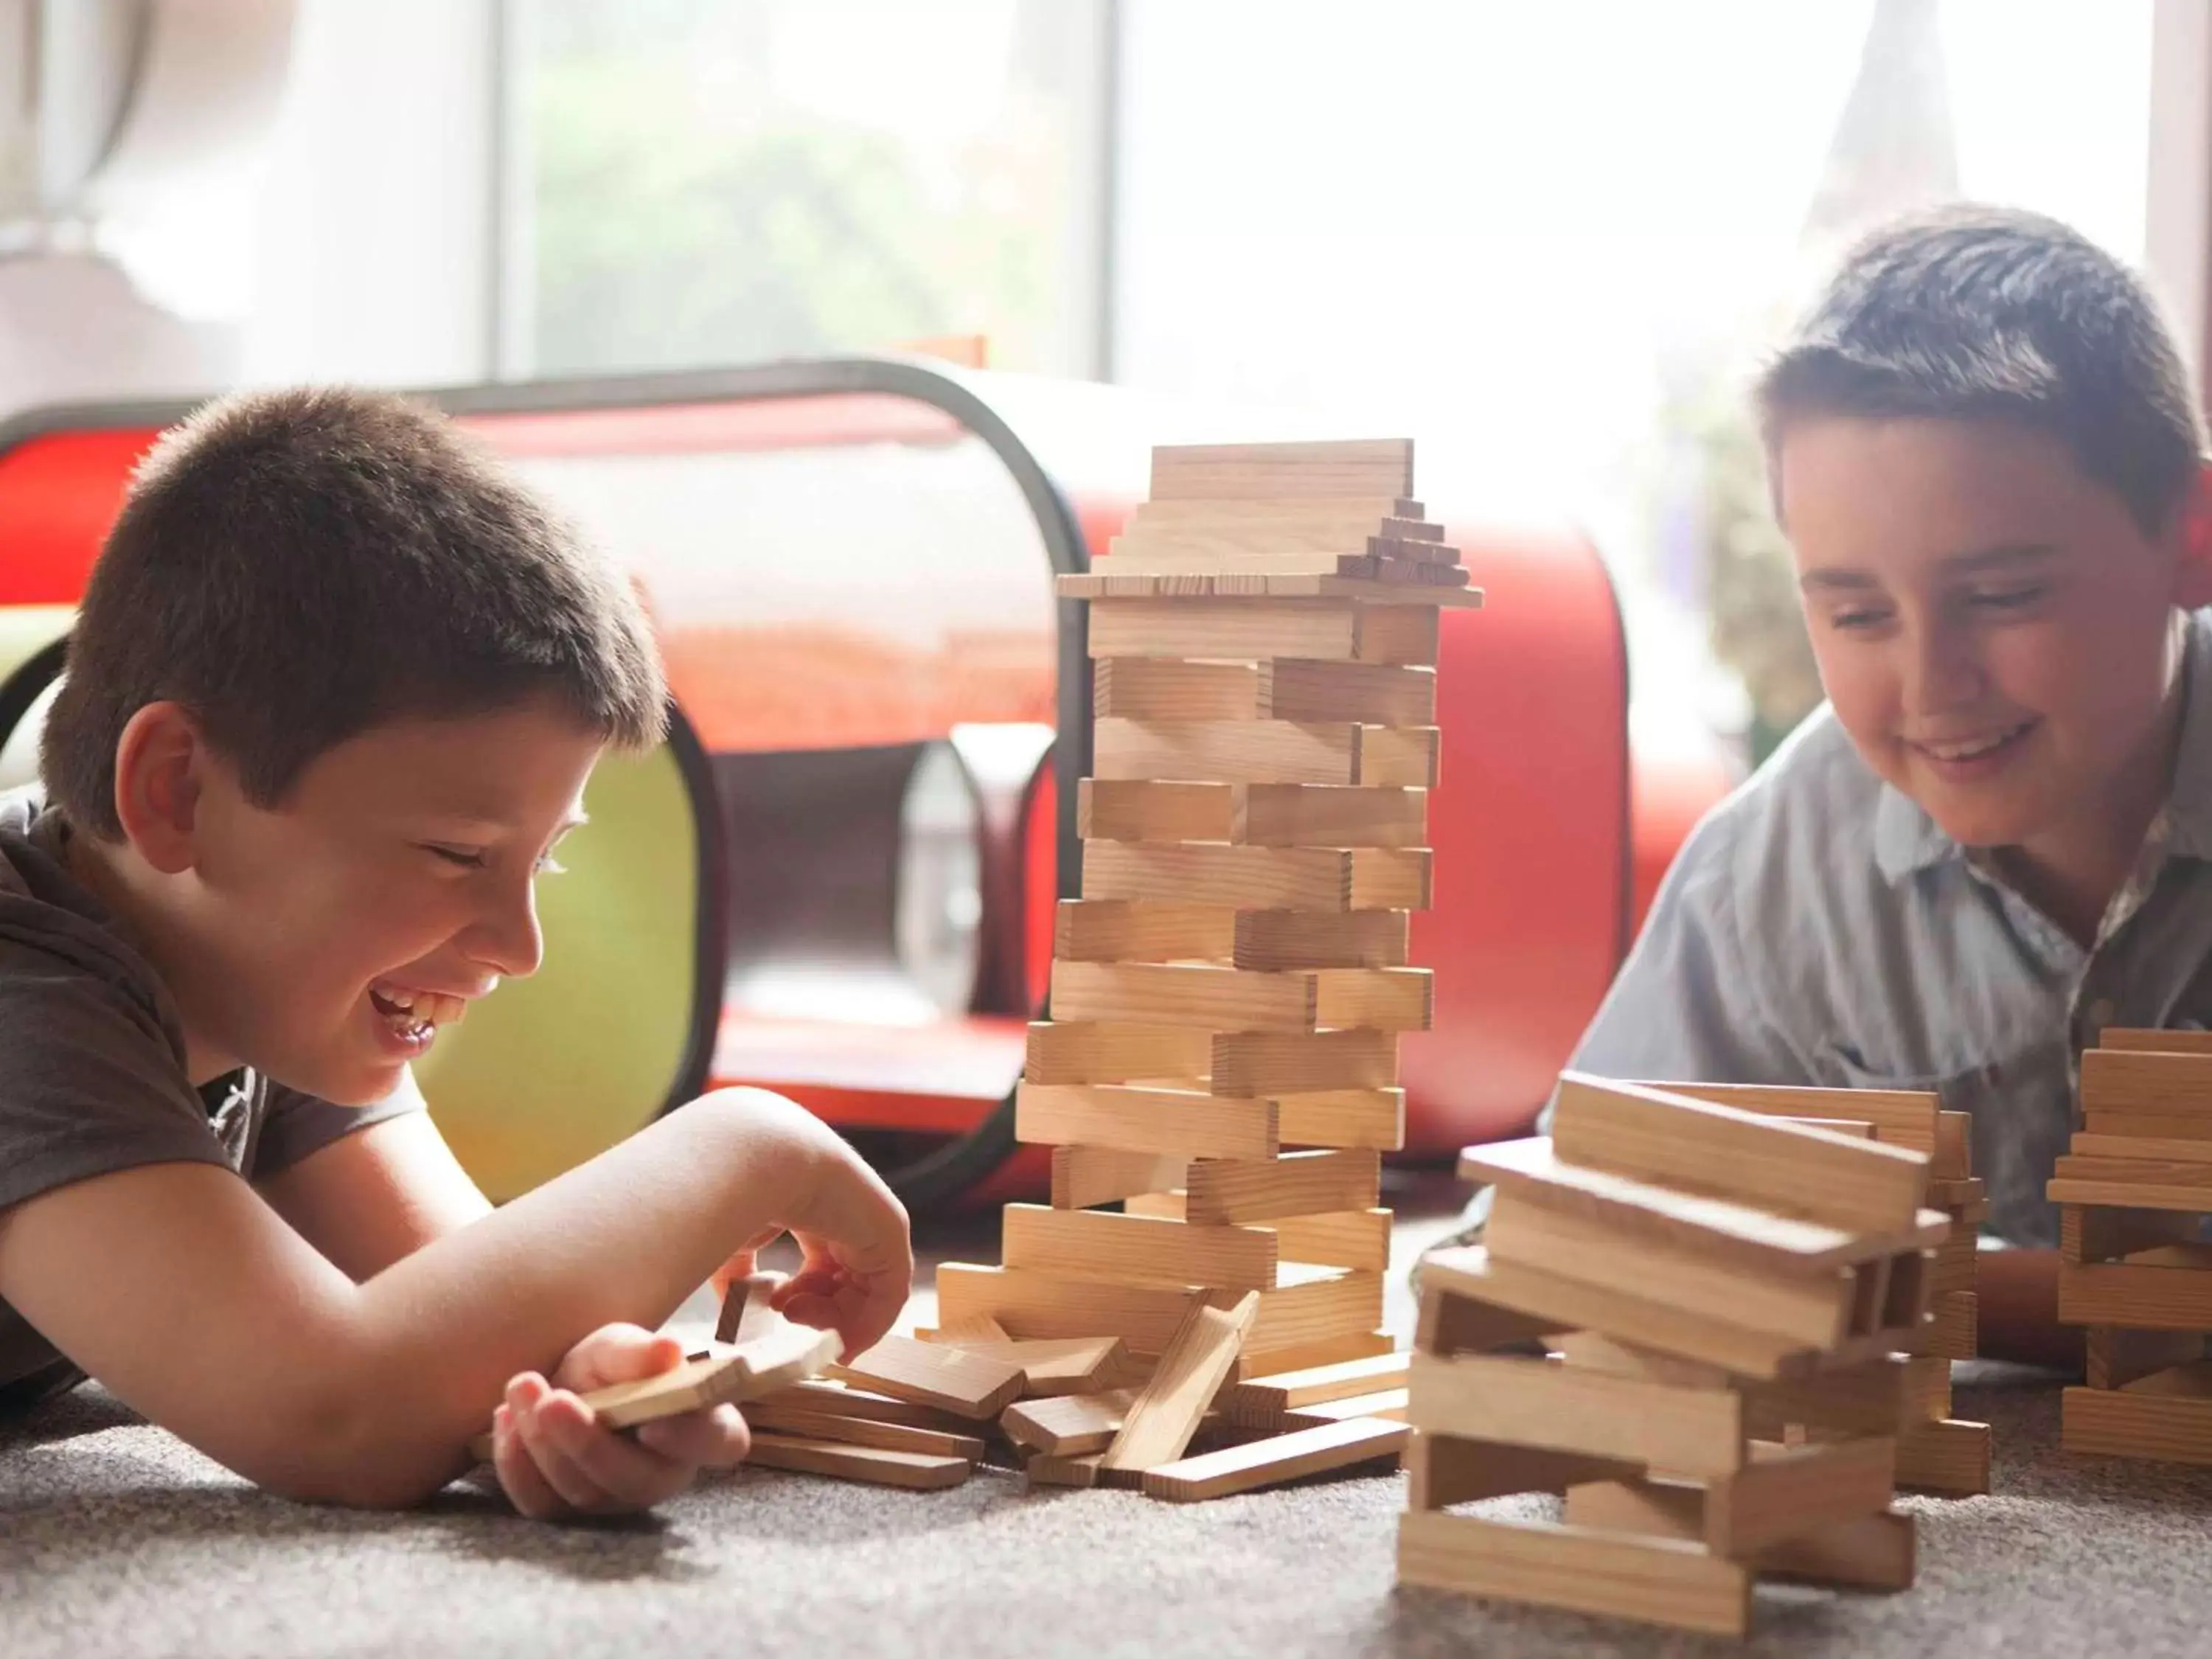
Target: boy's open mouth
[
  {"x": 1962, "y": 750},
  {"x": 416, "y": 1014}
]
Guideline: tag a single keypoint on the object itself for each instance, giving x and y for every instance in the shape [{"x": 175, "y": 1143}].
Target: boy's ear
[
  {"x": 2193, "y": 576},
  {"x": 159, "y": 769}
]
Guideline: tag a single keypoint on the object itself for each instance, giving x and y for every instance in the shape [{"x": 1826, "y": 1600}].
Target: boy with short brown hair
[{"x": 334, "y": 694}]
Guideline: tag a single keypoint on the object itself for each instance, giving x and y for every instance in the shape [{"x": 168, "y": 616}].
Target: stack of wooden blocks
[
  {"x": 1936, "y": 1451},
  {"x": 1709, "y": 1304},
  {"x": 2132, "y": 1193},
  {"x": 1233, "y": 980}
]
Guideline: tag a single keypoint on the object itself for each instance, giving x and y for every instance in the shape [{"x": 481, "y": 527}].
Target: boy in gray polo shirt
[
  {"x": 334, "y": 693},
  {"x": 1996, "y": 838}
]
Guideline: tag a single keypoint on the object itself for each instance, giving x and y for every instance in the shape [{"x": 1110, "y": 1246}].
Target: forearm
[
  {"x": 2017, "y": 1294},
  {"x": 627, "y": 1237}
]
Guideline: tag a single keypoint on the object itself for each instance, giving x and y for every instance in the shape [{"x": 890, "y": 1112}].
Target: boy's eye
[
  {"x": 547, "y": 863},
  {"x": 1855, "y": 619},
  {"x": 2006, "y": 599}
]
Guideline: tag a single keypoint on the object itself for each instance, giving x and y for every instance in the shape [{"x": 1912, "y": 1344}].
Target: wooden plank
[
  {"x": 1165, "y": 1412},
  {"x": 1590, "y": 1351},
  {"x": 1270, "y": 1462},
  {"x": 1449, "y": 1322},
  {"x": 1952, "y": 1332},
  {"x": 1068, "y": 1425},
  {"x": 1389, "y": 1405},
  {"x": 1274, "y": 940},
  {"x": 1227, "y": 1190},
  {"x": 2145, "y": 1083},
  {"x": 2116, "y": 1356},
  {"x": 1264, "y": 1399},
  {"x": 1163, "y": 689},
  {"x": 1260, "y": 878},
  {"x": 827, "y": 1399},
  {"x": 1250, "y": 751},
  {"x": 1214, "y": 998},
  {"x": 1373, "y": 694},
  {"x": 1872, "y": 1552},
  {"x": 1069, "y": 1365},
  {"x": 1727, "y": 1152},
  {"x": 1871, "y": 1399},
  {"x": 1343, "y": 1238},
  {"x": 1901, "y": 1117},
  {"x": 1065, "y": 1052},
  {"x": 1115, "y": 930},
  {"x": 1044, "y": 1471},
  {"x": 1540, "y": 1402},
  {"x": 1953, "y": 1158},
  {"x": 1658, "y": 1581},
  {"x": 2174, "y": 1151},
  {"x": 1282, "y": 471},
  {"x": 1948, "y": 1457},
  {"x": 1718, "y": 1228},
  {"x": 913, "y": 1470},
  {"x": 1045, "y": 1306},
  {"x": 1267, "y": 1064},
  {"x": 2156, "y": 1125},
  {"x": 1313, "y": 544},
  {"x": 1311, "y": 1306},
  {"x": 1312, "y": 513},
  {"x": 800, "y": 1424},
  {"x": 2128, "y": 1183},
  {"x": 2140, "y": 1040},
  {"x": 1097, "y": 1244},
  {"x": 1182, "y": 1123},
  {"x": 1344, "y": 1118},
  {"x": 1085, "y": 1176},
  {"x": 1442, "y": 1471},
  {"x": 1405, "y": 636},
  {"x": 1111, "y": 808},
  {"x": 1234, "y": 629},
  {"x": 1805, "y": 1308},
  {"x": 2137, "y": 1295},
  {"x": 1327, "y": 815},
  {"x": 1407, "y": 756},
  {"x": 967, "y": 1332},
  {"x": 966, "y": 1384},
  {"x": 2104, "y": 1235},
  {"x": 2168, "y": 1428},
  {"x": 1804, "y": 1489}
]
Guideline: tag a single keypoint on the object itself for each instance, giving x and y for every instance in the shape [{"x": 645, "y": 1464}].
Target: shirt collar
[{"x": 1906, "y": 840}]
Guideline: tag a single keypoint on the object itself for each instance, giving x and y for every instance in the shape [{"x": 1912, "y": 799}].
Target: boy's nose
[
  {"x": 507, "y": 937},
  {"x": 1941, "y": 673}
]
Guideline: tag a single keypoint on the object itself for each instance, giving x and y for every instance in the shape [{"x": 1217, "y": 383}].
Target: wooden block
[
  {"x": 1727, "y": 1152},
  {"x": 1267, "y": 1064},
  {"x": 1047, "y": 1471},
  {"x": 1114, "y": 930},
  {"x": 1060, "y": 1051},
  {"x": 2132, "y": 1183},
  {"x": 1163, "y": 688},
  {"x": 1327, "y": 815},
  {"x": 1320, "y": 543},
  {"x": 1956, "y": 1265},
  {"x": 1270, "y": 1462},
  {"x": 1036, "y": 1306},
  {"x": 1312, "y": 1305},
  {"x": 1165, "y": 1412},
  {"x": 1234, "y": 1000},
  {"x": 788, "y": 1421},
  {"x": 1717, "y": 1228},
  {"x": 1452, "y": 1322},
  {"x": 1952, "y": 1332},
  {"x": 1111, "y": 808},
  {"x": 1069, "y": 1365},
  {"x": 1590, "y": 1351},
  {"x": 827, "y": 1398},
  {"x": 2140, "y": 1040},
  {"x": 2176, "y": 1151},
  {"x": 1385, "y": 1405},
  {"x": 1804, "y": 1489},
  {"x": 1346, "y": 1238},
  {"x": 2105, "y": 1235},
  {"x": 1805, "y": 1308},
  {"x": 1874, "y": 1398},
  {"x": 1373, "y": 694},
  {"x": 1947, "y": 1456},
  {"x": 1345, "y": 1118},
  {"x": 2155, "y": 1084},
  {"x": 2152, "y": 1296},
  {"x": 1872, "y": 1552},
  {"x": 1406, "y": 756},
  {"x": 2163, "y": 1126},
  {"x": 1442, "y": 1471},
  {"x": 1250, "y": 751},
  {"x": 1561, "y": 1304},
  {"x": 1322, "y": 1351},
  {"x": 1264, "y": 1399},
  {"x": 1278, "y": 939},
  {"x": 1227, "y": 1190},
  {"x": 1542, "y": 1402},
  {"x": 1068, "y": 1425},
  {"x": 1658, "y": 1581},
  {"x": 916, "y": 1471},
  {"x": 1953, "y": 1158},
  {"x": 1927, "y": 1388},
  {"x": 1085, "y": 1176},
  {"x": 1186, "y": 1123},
  {"x": 2124, "y": 1422},
  {"x": 975, "y": 1331},
  {"x": 1260, "y": 878},
  {"x": 2116, "y": 1356},
  {"x": 966, "y": 1384},
  {"x": 1281, "y": 471},
  {"x": 1346, "y": 513},
  {"x": 1430, "y": 590},
  {"x": 781, "y": 1356},
  {"x": 1096, "y": 1244},
  {"x": 1252, "y": 629},
  {"x": 1901, "y": 1117}
]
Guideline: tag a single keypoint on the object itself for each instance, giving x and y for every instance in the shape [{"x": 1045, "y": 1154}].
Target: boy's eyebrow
[{"x": 1829, "y": 579}]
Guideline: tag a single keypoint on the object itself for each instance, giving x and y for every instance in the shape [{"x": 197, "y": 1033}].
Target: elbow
[{"x": 349, "y": 1453}]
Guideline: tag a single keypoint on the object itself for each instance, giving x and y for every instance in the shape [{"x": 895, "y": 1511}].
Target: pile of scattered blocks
[
  {"x": 2132, "y": 1193},
  {"x": 1234, "y": 978},
  {"x": 1685, "y": 1319}
]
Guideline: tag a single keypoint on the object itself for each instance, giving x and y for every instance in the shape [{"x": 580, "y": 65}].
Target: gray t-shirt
[{"x": 92, "y": 1066}]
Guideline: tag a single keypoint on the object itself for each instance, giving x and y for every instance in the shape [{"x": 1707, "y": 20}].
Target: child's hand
[
  {"x": 554, "y": 1461},
  {"x": 857, "y": 1263}
]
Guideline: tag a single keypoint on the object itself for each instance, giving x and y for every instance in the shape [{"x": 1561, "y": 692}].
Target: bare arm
[
  {"x": 2018, "y": 1315},
  {"x": 372, "y": 1197},
  {"x": 191, "y": 1299}
]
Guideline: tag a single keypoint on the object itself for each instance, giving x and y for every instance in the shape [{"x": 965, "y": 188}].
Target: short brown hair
[
  {"x": 296, "y": 566},
  {"x": 1974, "y": 313}
]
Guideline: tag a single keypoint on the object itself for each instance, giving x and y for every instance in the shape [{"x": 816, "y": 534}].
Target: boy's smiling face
[
  {"x": 1993, "y": 628},
  {"x": 399, "y": 870}
]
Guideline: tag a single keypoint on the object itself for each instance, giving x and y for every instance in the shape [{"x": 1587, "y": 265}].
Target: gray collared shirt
[{"x": 1818, "y": 928}]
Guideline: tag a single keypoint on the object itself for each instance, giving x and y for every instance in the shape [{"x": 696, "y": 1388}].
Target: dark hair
[
  {"x": 1991, "y": 313},
  {"x": 297, "y": 567}
]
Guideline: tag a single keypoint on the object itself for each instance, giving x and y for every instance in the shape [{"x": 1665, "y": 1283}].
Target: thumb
[{"x": 617, "y": 1353}]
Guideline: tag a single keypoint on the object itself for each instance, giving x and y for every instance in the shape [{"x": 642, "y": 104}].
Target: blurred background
[{"x": 1551, "y": 240}]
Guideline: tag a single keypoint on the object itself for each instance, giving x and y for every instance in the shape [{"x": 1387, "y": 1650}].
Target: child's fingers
[
  {"x": 616, "y": 1473},
  {"x": 520, "y": 1477},
  {"x": 717, "y": 1438},
  {"x": 544, "y": 1424},
  {"x": 617, "y": 1353}
]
